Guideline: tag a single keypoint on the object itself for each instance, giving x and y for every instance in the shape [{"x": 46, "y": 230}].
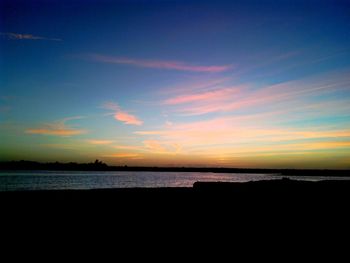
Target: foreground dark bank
[
  {"x": 326, "y": 191},
  {"x": 231, "y": 212},
  {"x": 100, "y": 166},
  {"x": 216, "y": 205}
]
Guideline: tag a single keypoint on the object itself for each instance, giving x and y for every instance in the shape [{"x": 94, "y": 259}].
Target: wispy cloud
[
  {"x": 214, "y": 95},
  {"x": 122, "y": 115},
  {"x": 55, "y": 131},
  {"x": 17, "y": 36},
  {"x": 58, "y": 128},
  {"x": 160, "y": 64},
  {"x": 244, "y": 133},
  {"x": 130, "y": 147},
  {"x": 127, "y": 118},
  {"x": 100, "y": 142},
  {"x": 154, "y": 145},
  {"x": 152, "y": 132},
  {"x": 200, "y": 84},
  {"x": 249, "y": 97},
  {"x": 157, "y": 146},
  {"x": 255, "y": 119}
]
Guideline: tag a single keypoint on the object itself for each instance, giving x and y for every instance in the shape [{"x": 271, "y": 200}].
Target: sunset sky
[{"x": 176, "y": 83}]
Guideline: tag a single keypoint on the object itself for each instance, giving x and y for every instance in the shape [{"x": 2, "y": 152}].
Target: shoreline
[{"x": 99, "y": 166}]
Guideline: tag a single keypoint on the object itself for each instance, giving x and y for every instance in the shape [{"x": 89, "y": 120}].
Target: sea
[{"x": 64, "y": 180}]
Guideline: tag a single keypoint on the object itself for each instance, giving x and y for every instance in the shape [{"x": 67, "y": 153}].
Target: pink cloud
[
  {"x": 127, "y": 118},
  {"x": 121, "y": 115},
  {"x": 160, "y": 64},
  {"x": 236, "y": 134},
  {"x": 288, "y": 92},
  {"x": 200, "y": 84},
  {"x": 220, "y": 94}
]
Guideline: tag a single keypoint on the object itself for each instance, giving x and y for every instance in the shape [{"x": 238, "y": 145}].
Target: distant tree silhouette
[{"x": 98, "y": 165}]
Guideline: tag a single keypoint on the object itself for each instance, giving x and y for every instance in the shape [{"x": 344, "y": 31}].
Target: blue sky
[{"x": 249, "y": 83}]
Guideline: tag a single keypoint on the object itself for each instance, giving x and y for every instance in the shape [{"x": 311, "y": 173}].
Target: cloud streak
[
  {"x": 17, "y": 36},
  {"x": 122, "y": 115},
  {"x": 154, "y": 146},
  {"x": 127, "y": 118},
  {"x": 59, "y": 128},
  {"x": 215, "y": 95},
  {"x": 130, "y": 147},
  {"x": 238, "y": 134},
  {"x": 248, "y": 97},
  {"x": 160, "y": 64},
  {"x": 54, "y": 131}
]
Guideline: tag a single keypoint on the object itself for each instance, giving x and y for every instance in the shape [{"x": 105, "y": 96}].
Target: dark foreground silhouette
[
  {"x": 205, "y": 208},
  {"x": 100, "y": 166},
  {"x": 231, "y": 212},
  {"x": 202, "y": 194}
]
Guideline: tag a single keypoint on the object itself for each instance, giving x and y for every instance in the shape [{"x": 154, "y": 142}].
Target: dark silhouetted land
[{"x": 284, "y": 194}]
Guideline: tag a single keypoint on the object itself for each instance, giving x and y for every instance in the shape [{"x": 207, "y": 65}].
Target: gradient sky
[{"x": 176, "y": 83}]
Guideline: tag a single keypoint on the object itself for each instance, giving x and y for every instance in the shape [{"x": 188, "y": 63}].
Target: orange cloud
[
  {"x": 57, "y": 132},
  {"x": 284, "y": 148},
  {"x": 100, "y": 142},
  {"x": 58, "y": 128},
  {"x": 154, "y": 146},
  {"x": 164, "y": 147},
  {"x": 241, "y": 134},
  {"x": 159, "y": 64}
]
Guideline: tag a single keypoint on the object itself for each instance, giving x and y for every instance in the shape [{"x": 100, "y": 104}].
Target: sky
[{"x": 176, "y": 83}]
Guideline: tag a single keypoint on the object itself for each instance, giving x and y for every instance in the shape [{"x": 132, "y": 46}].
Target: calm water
[{"x": 47, "y": 180}]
